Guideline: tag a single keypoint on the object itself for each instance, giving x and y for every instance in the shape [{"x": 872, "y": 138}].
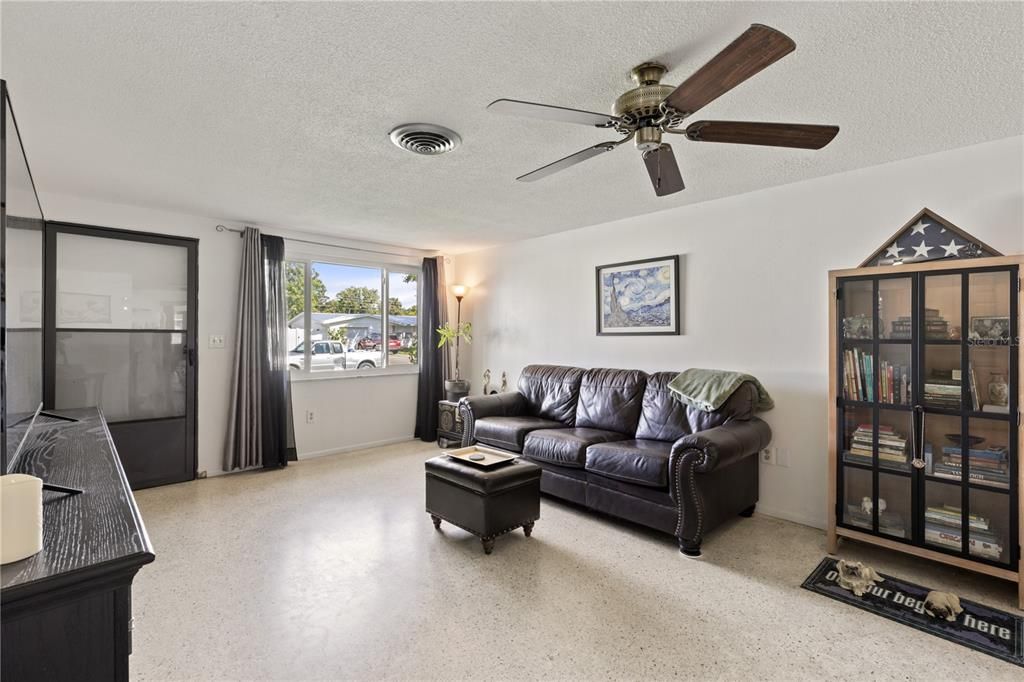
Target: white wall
[
  {"x": 754, "y": 287},
  {"x": 351, "y": 413}
]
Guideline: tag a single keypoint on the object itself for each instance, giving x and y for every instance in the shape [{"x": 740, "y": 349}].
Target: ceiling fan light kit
[{"x": 651, "y": 109}]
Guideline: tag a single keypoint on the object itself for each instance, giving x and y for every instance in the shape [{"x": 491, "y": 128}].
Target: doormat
[{"x": 991, "y": 631}]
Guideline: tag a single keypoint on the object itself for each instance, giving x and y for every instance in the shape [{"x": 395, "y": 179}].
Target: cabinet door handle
[{"x": 917, "y": 432}]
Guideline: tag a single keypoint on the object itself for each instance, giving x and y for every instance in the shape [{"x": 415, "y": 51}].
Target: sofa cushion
[
  {"x": 508, "y": 433},
  {"x": 643, "y": 462},
  {"x": 610, "y": 399},
  {"x": 551, "y": 391},
  {"x": 566, "y": 447},
  {"x": 662, "y": 416}
]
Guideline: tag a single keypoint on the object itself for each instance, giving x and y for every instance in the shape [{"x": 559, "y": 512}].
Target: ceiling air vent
[{"x": 425, "y": 138}]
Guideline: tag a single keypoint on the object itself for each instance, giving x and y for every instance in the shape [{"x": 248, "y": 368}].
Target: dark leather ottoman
[{"x": 484, "y": 502}]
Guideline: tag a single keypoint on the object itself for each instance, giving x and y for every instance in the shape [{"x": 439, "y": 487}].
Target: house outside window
[{"x": 347, "y": 318}]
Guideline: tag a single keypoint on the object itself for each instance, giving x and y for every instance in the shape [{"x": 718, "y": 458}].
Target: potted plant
[{"x": 456, "y": 387}]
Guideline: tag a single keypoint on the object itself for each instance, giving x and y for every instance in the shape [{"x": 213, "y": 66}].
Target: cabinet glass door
[{"x": 877, "y": 328}]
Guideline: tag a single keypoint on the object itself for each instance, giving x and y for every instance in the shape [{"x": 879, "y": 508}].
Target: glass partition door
[
  {"x": 121, "y": 336},
  {"x": 21, "y": 287}
]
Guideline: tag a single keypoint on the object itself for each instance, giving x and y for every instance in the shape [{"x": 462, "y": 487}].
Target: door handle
[
  {"x": 917, "y": 430},
  {"x": 190, "y": 355}
]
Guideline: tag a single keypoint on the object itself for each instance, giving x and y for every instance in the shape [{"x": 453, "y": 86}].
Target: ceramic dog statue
[
  {"x": 856, "y": 577},
  {"x": 942, "y": 605}
]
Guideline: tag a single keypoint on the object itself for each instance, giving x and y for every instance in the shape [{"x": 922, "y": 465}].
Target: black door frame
[{"x": 55, "y": 227}]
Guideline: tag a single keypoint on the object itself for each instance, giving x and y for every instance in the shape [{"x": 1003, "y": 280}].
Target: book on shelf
[
  {"x": 943, "y": 526},
  {"x": 859, "y": 375},
  {"x": 987, "y": 549},
  {"x": 945, "y": 513},
  {"x": 989, "y": 465},
  {"x": 972, "y": 385},
  {"x": 943, "y": 391},
  {"x": 892, "y": 446},
  {"x": 996, "y": 409}
]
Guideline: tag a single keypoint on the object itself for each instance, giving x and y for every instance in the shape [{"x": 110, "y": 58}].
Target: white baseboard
[
  {"x": 786, "y": 515},
  {"x": 352, "y": 448}
]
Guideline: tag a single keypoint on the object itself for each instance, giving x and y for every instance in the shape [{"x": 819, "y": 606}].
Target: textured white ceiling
[{"x": 278, "y": 114}]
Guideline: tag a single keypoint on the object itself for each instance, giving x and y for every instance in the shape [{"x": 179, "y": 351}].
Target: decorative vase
[
  {"x": 998, "y": 390},
  {"x": 455, "y": 389}
]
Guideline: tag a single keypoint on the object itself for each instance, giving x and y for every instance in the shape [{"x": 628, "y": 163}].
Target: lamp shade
[{"x": 459, "y": 290}]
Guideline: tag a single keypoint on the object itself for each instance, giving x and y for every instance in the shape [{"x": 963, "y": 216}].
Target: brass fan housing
[{"x": 644, "y": 101}]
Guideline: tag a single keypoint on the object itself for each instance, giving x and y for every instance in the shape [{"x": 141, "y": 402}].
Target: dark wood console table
[{"x": 67, "y": 610}]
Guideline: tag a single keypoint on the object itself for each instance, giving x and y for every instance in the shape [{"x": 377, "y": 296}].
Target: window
[{"x": 337, "y": 310}]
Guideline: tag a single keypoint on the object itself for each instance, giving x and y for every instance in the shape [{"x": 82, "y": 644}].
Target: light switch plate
[{"x": 216, "y": 341}]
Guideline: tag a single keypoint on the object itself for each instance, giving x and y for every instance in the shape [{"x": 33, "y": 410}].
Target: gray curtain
[
  {"x": 432, "y": 360},
  {"x": 442, "y": 299},
  {"x": 245, "y": 437},
  {"x": 278, "y": 435}
]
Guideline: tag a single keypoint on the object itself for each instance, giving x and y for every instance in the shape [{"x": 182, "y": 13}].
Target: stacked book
[
  {"x": 935, "y": 326},
  {"x": 889, "y": 522},
  {"x": 858, "y": 381},
  {"x": 892, "y": 447},
  {"x": 895, "y": 383},
  {"x": 989, "y": 466},
  {"x": 942, "y": 390},
  {"x": 942, "y": 526}
]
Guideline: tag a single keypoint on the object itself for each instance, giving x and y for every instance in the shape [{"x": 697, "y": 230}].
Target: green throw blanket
[{"x": 708, "y": 389}]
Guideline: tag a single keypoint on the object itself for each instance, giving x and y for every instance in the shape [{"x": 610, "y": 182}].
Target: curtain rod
[{"x": 222, "y": 228}]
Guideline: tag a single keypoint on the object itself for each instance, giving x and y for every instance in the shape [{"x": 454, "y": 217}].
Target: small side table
[{"x": 449, "y": 424}]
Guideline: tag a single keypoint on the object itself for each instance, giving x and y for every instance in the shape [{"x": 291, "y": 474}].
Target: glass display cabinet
[{"x": 925, "y": 425}]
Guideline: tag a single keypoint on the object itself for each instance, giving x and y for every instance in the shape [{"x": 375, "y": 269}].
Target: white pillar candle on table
[{"x": 21, "y": 517}]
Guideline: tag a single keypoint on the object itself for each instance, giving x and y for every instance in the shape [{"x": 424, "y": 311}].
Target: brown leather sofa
[{"x": 618, "y": 442}]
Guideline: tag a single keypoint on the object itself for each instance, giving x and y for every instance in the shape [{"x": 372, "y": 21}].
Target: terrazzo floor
[{"x": 330, "y": 569}]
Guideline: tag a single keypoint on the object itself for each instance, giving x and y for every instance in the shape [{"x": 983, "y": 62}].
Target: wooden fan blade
[
  {"x": 571, "y": 160},
  {"x": 757, "y": 48},
  {"x": 798, "y": 135},
  {"x": 548, "y": 112},
  {"x": 664, "y": 171}
]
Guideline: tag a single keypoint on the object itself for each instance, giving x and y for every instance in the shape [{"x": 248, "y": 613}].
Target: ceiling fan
[{"x": 647, "y": 111}]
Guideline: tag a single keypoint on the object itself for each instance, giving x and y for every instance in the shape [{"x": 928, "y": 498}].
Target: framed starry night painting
[
  {"x": 638, "y": 297},
  {"x": 927, "y": 237}
]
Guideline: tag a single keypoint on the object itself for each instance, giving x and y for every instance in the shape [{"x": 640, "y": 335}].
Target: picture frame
[
  {"x": 638, "y": 298},
  {"x": 990, "y": 328}
]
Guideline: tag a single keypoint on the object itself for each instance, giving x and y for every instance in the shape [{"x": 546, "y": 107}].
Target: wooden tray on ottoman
[{"x": 487, "y": 457}]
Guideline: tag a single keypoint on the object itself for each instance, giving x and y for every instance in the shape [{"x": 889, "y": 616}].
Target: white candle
[{"x": 21, "y": 517}]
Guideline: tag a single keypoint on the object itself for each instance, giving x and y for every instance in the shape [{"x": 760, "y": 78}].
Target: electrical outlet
[
  {"x": 216, "y": 341},
  {"x": 310, "y": 417},
  {"x": 768, "y": 455}
]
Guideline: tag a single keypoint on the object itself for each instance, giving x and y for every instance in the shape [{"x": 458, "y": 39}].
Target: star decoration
[
  {"x": 919, "y": 228},
  {"x": 952, "y": 249},
  {"x": 894, "y": 250},
  {"x": 921, "y": 250}
]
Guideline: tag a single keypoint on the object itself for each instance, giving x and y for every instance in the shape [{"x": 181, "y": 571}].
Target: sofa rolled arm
[
  {"x": 724, "y": 445},
  {"x": 699, "y": 453},
  {"x": 471, "y": 408}
]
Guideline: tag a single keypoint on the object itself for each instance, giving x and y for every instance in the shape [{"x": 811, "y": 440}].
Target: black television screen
[{"x": 21, "y": 288}]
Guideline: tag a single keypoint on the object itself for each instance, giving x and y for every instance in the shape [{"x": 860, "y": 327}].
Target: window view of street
[{"x": 347, "y": 321}]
